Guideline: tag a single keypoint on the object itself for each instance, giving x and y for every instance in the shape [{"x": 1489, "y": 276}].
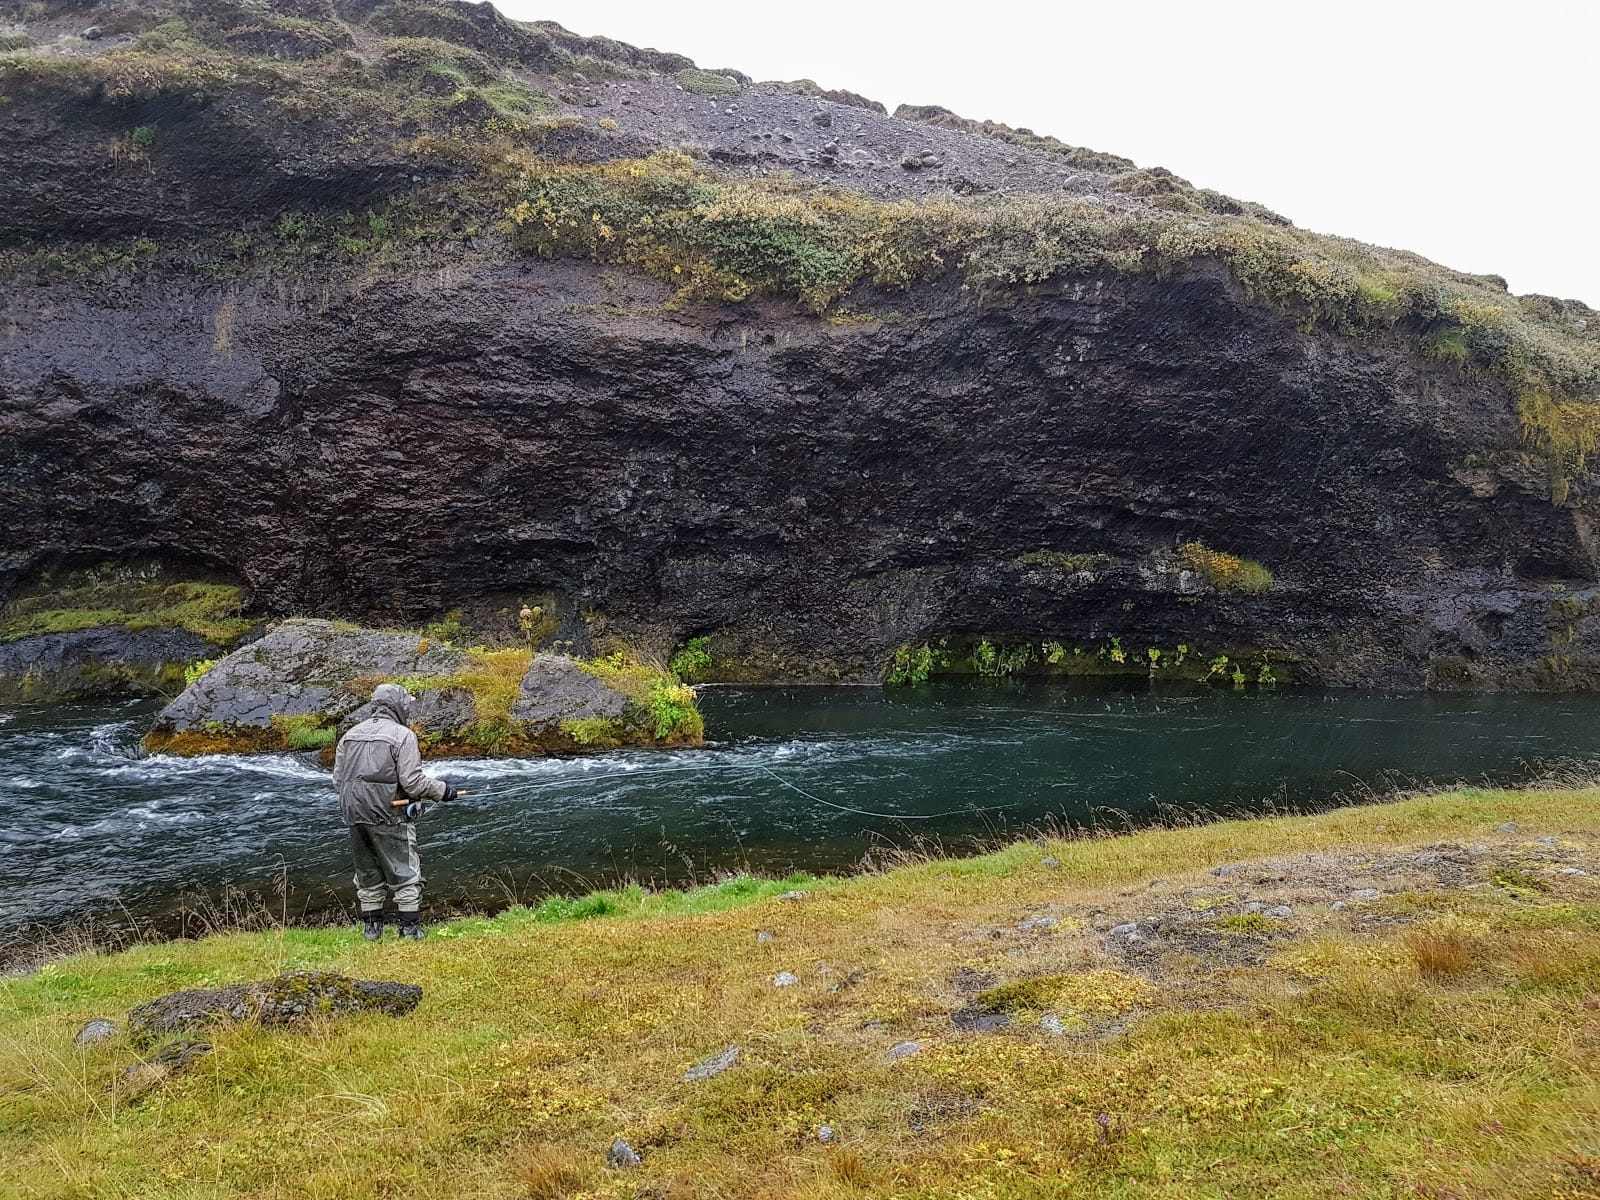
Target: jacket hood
[{"x": 392, "y": 701}]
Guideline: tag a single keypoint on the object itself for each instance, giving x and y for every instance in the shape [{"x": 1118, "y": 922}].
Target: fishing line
[
  {"x": 880, "y": 816},
  {"x": 507, "y": 788}
]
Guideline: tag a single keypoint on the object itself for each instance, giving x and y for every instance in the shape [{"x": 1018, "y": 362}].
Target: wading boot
[
  {"x": 372, "y": 923},
  {"x": 411, "y": 926}
]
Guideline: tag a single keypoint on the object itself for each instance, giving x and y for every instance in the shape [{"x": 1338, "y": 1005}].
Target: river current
[{"x": 810, "y": 779}]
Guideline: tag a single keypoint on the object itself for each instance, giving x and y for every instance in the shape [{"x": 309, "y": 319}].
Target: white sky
[{"x": 1467, "y": 131}]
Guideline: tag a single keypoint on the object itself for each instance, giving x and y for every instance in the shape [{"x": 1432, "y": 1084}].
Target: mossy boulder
[
  {"x": 307, "y": 681},
  {"x": 283, "y": 1000}
]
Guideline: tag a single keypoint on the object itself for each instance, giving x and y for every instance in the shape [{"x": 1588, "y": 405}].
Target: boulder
[
  {"x": 557, "y": 689},
  {"x": 306, "y": 682},
  {"x": 108, "y": 660},
  {"x": 302, "y": 673},
  {"x": 286, "y": 999}
]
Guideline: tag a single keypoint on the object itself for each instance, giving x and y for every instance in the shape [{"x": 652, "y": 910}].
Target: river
[{"x": 810, "y": 779}]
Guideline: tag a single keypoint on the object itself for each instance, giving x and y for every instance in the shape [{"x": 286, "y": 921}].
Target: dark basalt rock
[
  {"x": 556, "y": 689},
  {"x": 284, "y": 1000},
  {"x": 107, "y": 661},
  {"x": 389, "y": 438}
]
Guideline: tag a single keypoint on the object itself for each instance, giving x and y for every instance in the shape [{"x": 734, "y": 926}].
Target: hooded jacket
[{"x": 378, "y": 760}]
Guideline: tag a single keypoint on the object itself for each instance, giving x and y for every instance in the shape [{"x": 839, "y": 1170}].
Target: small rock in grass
[
  {"x": 1124, "y": 930},
  {"x": 1478, "y": 848},
  {"x": 1222, "y": 870},
  {"x": 1338, "y": 906},
  {"x": 715, "y": 1065},
  {"x": 1037, "y": 924},
  {"x": 848, "y": 981},
  {"x": 138, "y": 1079},
  {"x": 793, "y": 896},
  {"x": 1573, "y": 871},
  {"x": 1280, "y": 912},
  {"x": 785, "y": 979},
  {"x": 1254, "y": 906},
  {"x": 1051, "y": 862},
  {"x": 977, "y": 1020},
  {"x": 1546, "y": 841},
  {"x": 763, "y": 937},
  {"x": 1052, "y": 1025},
  {"x": 1365, "y": 894},
  {"x": 622, "y": 1156},
  {"x": 827, "y": 1134},
  {"x": 96, "y": 1031},
  {"x": 1508, "y": 827},
  {"x": 903, "y": 1050}
]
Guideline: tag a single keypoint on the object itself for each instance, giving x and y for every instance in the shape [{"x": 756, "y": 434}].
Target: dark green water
[{"x": 810, "y": 779}]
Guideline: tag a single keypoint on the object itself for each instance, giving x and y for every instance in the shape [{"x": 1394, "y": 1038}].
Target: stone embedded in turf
[
  {"x": 977, "y": 1020},
  {"x": 141, "y": 1077},
  {"x": 715, "y": 1065},
  {"x": 286, "y": 999},
  {"x": 96, "y": 1031},
  {"x": 622, "y": 1156}
]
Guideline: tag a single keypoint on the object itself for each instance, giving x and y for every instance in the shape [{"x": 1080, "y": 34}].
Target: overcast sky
[{"x": 1466, "y": 131}]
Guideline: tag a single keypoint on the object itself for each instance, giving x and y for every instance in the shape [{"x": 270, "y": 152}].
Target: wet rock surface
[
  {"x": 110, "y": 660},
  {"x": 284, "y": 1000},
  {"x": 676, "y": 518}
]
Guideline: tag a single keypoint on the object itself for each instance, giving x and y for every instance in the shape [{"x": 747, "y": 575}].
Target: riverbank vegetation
[
  {"x": 123, "y": 598},
  {"x": 1387, "y": 1001}
]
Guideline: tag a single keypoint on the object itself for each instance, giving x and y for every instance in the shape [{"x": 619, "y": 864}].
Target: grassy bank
[{"x": 1438, "y": 1035}]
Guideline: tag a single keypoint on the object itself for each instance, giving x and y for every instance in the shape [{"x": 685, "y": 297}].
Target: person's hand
[
  {"x": 450, "y": 793},
  {"x": 413, "y": 810}
]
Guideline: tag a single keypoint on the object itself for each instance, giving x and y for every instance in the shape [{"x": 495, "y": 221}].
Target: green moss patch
[
  {"x": 1225, "y": 572},
  {"x": 208, "y": 609}
]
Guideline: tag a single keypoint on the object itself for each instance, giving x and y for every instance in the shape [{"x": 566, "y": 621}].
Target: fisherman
[{"x": 377, "y": 767}]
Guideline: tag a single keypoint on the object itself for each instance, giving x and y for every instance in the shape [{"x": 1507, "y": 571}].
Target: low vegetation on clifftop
[
  {"x": 482, "y": 125},
  {"x": 1399, "y": 1000}
]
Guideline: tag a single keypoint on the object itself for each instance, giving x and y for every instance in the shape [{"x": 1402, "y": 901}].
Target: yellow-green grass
[
  {"x": 208, "y": 609},
  {"x": 1436, "y": 1043}
]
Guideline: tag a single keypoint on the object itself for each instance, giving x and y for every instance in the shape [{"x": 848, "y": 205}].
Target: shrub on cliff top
[
  {"x": 726, "y": 239},
  {"x": 707, "y": 83}
]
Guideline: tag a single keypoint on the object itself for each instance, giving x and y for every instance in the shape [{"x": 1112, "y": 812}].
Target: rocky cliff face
[{"x": 458, "y": 422}]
